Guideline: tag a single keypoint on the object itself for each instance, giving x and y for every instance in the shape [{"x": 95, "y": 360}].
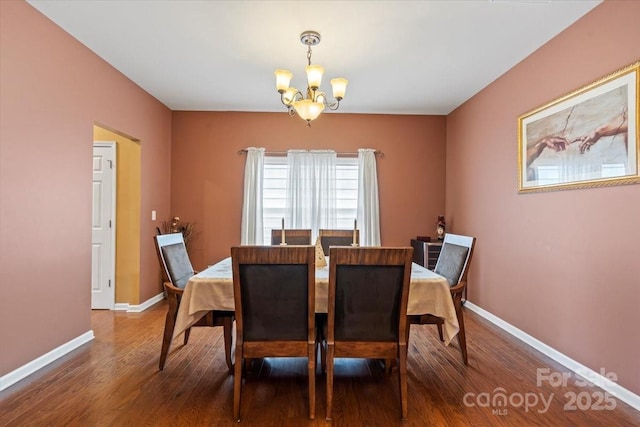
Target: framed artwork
[{"x": 588, "y": 138}]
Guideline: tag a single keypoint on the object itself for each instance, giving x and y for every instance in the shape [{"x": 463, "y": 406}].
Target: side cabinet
[{"x": 426, "y": 253}]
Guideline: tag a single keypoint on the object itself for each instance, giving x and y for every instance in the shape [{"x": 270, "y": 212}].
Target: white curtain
[
  {"x": 252, "y": 229},
  {"x": 368, "y": 205},
  {"x": 311, "y": 190}
]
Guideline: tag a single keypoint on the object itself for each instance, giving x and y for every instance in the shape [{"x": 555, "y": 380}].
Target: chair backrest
[
  {"x": 274, "y": 292},
  {"x": 291, "y": 237},
  {"x": 330, "y": 238},
  {"x": 174, "y": 259},
  {"x": 368, "y": 293},
  {"x": 455, "y": 257}
]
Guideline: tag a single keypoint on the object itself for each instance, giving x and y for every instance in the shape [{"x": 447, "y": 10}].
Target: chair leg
[
  {"x": 402, "y": 370},
  {"x": 440, "y": 332},
  {"x": 462, "y": 339},
  {"x": 187, "y": 332},
  {"x": 237, "y": 383},
  {"x": 311, "y": 355},
  {"x": 330, "y": 352},
  {"x": 227, "y": 328},
  {"x": 169, "y": 325}
]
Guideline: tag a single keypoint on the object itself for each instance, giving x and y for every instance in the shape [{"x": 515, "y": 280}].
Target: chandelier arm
[
  {"x": 333, "y": 106},
  {"x": 282, "y": 100},
  {"x": 317, "y": 94},
  {"x": 296, "y": 97}
]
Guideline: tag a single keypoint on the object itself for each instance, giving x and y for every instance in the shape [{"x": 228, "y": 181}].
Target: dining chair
[
  {"x": 177, "y": 270},
  {"x": 274, "y": 295},
  {"x": 367, "y": 309},
  {"x": 330, "y": 238},
  {"x": 296, "y": 237},
  {"x": 291, "y": 237},
  {"x": 453, "y": 263}
]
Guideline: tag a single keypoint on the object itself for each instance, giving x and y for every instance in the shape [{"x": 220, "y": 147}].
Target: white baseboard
[
  {"x": 42, "y": 361},
  {"x": 594, "y": 377},
  {"x": 140, "y": 307}
]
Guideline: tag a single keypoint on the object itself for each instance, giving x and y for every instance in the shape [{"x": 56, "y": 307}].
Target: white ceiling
[{"x": 400, "y": 57}]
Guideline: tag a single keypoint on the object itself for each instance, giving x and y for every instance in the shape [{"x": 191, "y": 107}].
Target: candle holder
[{"x": 355, "y": 233}]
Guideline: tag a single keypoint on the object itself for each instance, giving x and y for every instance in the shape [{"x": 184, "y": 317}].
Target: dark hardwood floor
[{"x": 114, "y": 381}]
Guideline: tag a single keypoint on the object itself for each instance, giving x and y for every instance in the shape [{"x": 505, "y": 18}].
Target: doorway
[
  {"x": 126, "y": 223},
  {"x": 103, "y": 226}
]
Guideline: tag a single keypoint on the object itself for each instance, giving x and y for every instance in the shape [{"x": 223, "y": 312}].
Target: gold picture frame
[{"x": 587, "y": 138}]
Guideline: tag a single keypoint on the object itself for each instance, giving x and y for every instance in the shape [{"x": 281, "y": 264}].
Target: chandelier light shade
[
  {"x": 314, "y": 76},
  {"x": 308, "y": 110},
  {"x": 310, "y": 105},
  {"x": 283, "y": 78},
  {"x": 339, "y": 86}
]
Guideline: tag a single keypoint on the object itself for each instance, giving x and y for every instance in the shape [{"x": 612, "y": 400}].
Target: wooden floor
[{"x": 114, "y": 381}]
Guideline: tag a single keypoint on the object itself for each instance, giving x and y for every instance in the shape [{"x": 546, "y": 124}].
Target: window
[
  {"x": 548, "y": 175},
  {"x": 275, "y": 187},
  {"x": 613, "y": 169}
]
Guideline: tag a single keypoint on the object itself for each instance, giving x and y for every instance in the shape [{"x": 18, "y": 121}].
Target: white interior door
[{"x": 103, "y": 226}]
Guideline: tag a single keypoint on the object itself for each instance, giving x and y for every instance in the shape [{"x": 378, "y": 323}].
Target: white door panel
[{"x": 102, "y": 224}]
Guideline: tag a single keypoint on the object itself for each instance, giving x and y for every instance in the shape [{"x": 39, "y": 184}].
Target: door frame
[{"x": 112, "y": 234}]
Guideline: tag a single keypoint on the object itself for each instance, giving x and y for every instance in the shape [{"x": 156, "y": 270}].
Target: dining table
[{"x": 212, "y": 289}]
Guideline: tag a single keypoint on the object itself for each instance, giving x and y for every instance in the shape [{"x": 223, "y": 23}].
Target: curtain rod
[{"x": 284, "y": 153}]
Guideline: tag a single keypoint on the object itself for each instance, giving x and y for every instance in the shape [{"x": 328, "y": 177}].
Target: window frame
[{"x": 274, "y": 192}]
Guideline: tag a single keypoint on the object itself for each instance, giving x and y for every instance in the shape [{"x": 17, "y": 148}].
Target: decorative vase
[{"x": 440, "y": 227}]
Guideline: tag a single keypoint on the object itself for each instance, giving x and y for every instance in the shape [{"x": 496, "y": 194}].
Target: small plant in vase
[{"x": 176, "y": 226}]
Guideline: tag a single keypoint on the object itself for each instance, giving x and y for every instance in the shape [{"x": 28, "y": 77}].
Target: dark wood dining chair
[
  {"x": 274, "y": 295},
  {"x": 330, "y": 238},
  {"x": 453, "y": 263},
  {"x": 367, "y": 309},
  {"x": 177, "y": 270},
  {"x": 291, "y": 236}
]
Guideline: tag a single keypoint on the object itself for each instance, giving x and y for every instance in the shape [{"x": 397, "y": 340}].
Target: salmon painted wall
[
  {"x": 208, "y": 174},
  {"x": 561, "y": 266},
  {"x": 53, "y": 91}
]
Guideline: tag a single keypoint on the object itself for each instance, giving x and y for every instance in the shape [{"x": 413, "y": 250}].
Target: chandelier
[{"x": 310, "y": 106}]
